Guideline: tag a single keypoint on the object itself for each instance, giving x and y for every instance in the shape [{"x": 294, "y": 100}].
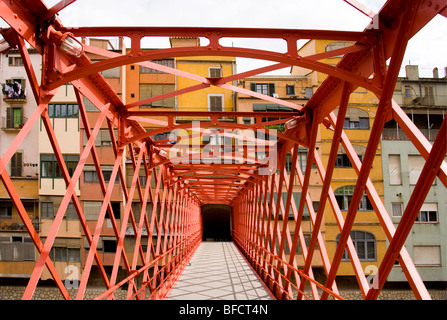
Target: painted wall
[{"x": 422, "y": 234}]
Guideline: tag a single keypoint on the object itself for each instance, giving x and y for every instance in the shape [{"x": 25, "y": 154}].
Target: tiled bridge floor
[{"x": 218, "y": 272}]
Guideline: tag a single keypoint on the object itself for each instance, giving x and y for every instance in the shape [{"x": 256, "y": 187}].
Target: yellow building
[
  {"x": 367, "y": 233},
  {"x": 208, "y": 99},
  {"x": 292, "y": 89}
]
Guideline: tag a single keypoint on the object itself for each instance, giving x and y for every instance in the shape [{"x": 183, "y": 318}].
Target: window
[
  {"x": 343, "y": 161},
  {"x": 74, "y": 254},
  {"x": 427, "y": 255},
  {"x": 215, "y": 102},
  {"x": 296, "y": 198},
  {"x": 71, "y": 212},
  {"x": 65, "y": 254},
  {"x": 263, "y": 88},
  {"x": 49, "y": 167},
  {"x": 5, "y": 210},
  {"x": 428, "y": 213},
  {"x": 102, "y": 139},
  {"x": 91, "y": 176},
  {"x": 407, "y": 92},
  {"x": 116, "y": 207},
  {"x": 16, "y": 165},
  {"x": 15, "y": 61},
  {"x": 109, "y": 246},
  {"x": 344, "y": 197},
  {"x": 290, "y": 89},
  {"x": 214, "y": 72},
  {"x": 17, "y": 248},
  {"x": 301, "y": 158},
  {"x": 362, "y": 124},
  {"x": 396, "y": 209},
  {"x": 364, "y": 243},
  {"x": 71, "y": 161},
  {"x": 163, "y": 62},
  {"x": 92, "y": 209},
  {"x": 153, "y": 90},
  {"x": 14, "y": 118},
  {"x": 46, "y": 166},
  {"x": 141, "y": 175},
  {"x": 63, "y": 110},
  {"x": 415, "y": 165},
  {"x": 356, "y": 118},
  {"x": 46, "y": 210},
  {"x": 394, "y": 169}
]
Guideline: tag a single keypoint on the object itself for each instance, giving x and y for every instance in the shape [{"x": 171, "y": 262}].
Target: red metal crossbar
[{"x": 177, "y": 187}]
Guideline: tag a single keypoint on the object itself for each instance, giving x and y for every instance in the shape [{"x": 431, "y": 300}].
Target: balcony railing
[
  {"x": 11, "y": 124},
  {"x": 399, "y": 134},
  {"x": 13, "y": 93}
]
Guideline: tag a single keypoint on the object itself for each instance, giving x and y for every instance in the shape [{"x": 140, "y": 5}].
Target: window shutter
[
  {"x": 271, "y": 89},
  {"x": 92, "y": 209},
  {"x": 394, "y": 169},
  {"x": 215, "y": 103},
  {"x": 253, "y": 86},
  {"x": 16, "y": 165},
  {"x": 426, "y": 255},
  {"x": 415, "y": 164},
  {"x": 9, "y": 118}
]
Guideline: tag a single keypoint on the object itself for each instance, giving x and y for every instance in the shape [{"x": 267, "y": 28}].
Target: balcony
[
  {"x": 399, "y": 134},
  {"x": 12, "y": 124},
  {"x": 13, "y": 93}
]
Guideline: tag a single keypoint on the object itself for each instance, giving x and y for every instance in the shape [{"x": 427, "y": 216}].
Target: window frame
[
  {"x": 364, "y": 206},
  {"x": 428, "y": 214},
  {"x": 61, "y": 110},
  {"x": 211, "y": 95},
  {"x": 214, "y": 69},
  {"x": 363, "y": 241}
]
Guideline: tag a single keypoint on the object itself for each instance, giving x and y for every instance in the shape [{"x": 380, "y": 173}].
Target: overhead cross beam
[{"x": 261, "y": 225}]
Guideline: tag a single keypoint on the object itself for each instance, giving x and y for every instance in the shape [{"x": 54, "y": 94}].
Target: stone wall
[
  {"x": 395, "y": 295},
  {"x": 52, "y": 293}
]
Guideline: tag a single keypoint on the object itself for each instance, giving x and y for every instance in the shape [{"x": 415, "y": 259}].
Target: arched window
[
  {"x": 344, "y": 197},
  {"x": 365, "y": 245},
  {"x": 343, "y": 161},
  {"x": 355, "y": 119}
]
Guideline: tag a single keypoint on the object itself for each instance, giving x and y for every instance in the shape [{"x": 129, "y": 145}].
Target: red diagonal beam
[
  {"x": 383, "y": 109},
  {"x": 98, "y": 228},
  {"x": 124, "y": 221},
  {"x": 417, "y": 138},
  {"x": 62, "y": 208},
  {"x": 425, "y": 181},
  {"x": 15, "y": 198},
  {"x": 405, "y": 261},
  {"x": 328, "y": 178}
]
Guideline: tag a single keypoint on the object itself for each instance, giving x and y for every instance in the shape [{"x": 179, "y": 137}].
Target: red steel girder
[{"x": 177, "y": 202}]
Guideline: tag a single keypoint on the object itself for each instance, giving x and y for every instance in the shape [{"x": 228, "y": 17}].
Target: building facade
[
  {"x": 293, "y": 89},
  {"x": 424, "y": 100},
  {"x": 64, "y": 115},
  {"x": 17, "y": 251},
  {"x": 367, "y": 234}
]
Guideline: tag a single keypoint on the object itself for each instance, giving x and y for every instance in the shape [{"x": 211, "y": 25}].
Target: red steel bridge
[{"x": 183, "y": 188}]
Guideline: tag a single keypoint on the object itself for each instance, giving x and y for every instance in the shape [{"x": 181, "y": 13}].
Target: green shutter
[
  {"x": 9, "y": 118},
  {"x": 17, "y": 115},
  {"x": 253, "y": 86},
  {"x": 271, "y": 89}
]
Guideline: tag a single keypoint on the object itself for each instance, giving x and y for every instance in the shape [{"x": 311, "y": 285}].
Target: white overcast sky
[{"x": 428, "y": 48}]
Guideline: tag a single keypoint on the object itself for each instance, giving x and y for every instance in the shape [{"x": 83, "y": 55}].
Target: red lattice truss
[{"x": 363, "y": 65}]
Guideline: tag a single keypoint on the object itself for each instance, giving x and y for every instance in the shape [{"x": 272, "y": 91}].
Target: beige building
[{"x": 64, "y": 114}]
